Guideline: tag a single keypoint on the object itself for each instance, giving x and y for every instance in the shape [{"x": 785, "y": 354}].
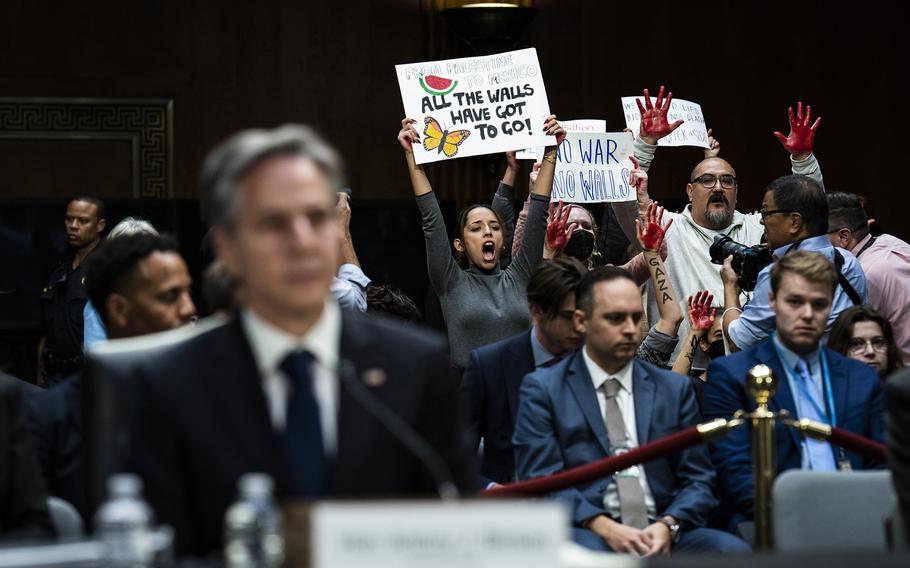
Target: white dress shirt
[
  {"x": 271, "y": 346},
  {"x": 626, "y": 403}
]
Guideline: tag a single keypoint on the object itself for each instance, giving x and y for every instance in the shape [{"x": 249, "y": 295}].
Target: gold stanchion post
[{"x": 762, "y": 383}]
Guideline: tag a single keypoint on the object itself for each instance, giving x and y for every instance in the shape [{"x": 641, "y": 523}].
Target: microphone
[{"x": 401, "y": 430}]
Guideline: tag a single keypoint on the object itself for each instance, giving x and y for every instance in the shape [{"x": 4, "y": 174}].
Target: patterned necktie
[
  {"x": 303, "y": 430},
  {"x": 631, "y": 496},
  {"x": 820, "y": 456}
]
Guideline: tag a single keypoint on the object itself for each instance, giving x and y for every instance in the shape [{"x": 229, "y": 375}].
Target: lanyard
[{"x": 826, "y": 382}]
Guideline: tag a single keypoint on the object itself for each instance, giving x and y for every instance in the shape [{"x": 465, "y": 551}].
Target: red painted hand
[
  {"x": 701, "y": 314},
  {"x": 801, "y": 139},
  {"x": 652, "y": 235},
  {"x": 557, "y": 232},
  {"x": 654, "y": 125}
]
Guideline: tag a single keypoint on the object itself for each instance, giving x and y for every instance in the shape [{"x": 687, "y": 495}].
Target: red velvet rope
[
  {"x": 600, "y": 468},
  {"x": 856, "y": 443}
]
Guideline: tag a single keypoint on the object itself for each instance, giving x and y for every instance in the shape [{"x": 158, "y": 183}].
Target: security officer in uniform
[{"x": 63, "y": 299}]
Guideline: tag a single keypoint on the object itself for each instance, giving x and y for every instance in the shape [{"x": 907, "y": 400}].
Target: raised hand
[
  {"x": 713, "y": 149},
  {"x": 553, "y": 128},
  {"x": 511, "y": 161},
  {"x": 408, "y": 134},
  {"x": 557, "y": 232},
  {"x": 651, "y": 236},
  {"x": 801, "y": 139},
  {"x": 638, "y": 179},
  {"x": 654, "y": 125},
  {"x": 701, "y": 314}
]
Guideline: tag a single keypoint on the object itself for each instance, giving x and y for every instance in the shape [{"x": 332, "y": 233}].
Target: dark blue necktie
[{"x": 303, "y": 431}]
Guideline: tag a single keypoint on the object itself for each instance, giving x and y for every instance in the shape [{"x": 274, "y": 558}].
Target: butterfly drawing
[{"x": 444, "y": 141}]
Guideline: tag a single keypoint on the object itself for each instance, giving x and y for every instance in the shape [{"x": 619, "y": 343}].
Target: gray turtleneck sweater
[{"x": 481, "y": 307}]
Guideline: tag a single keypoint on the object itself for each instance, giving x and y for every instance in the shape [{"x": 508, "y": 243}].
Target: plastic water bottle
[
  {"x": 124, "y": 522},
  {"x": 252, "y": 526}
]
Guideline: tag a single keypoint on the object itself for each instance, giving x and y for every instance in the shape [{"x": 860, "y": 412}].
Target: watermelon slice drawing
[{"x": 437, "y": 85}]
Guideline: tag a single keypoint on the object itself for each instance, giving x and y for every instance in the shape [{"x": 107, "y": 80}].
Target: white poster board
[
  {"x": 692, "y": 132},
  {"x": 475, "y": 105},
  {"x": 595, "y": 125},
  {"x": 594, "y": 168}
]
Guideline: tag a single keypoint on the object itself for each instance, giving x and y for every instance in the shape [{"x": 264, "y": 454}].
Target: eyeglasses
[
  {"x": 727, "y": 181},
  {"x": 857, "y": 345},
  {"x": 765, "y": 214}
]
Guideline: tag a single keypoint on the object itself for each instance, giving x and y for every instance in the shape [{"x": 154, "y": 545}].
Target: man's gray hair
[
  {"x": 237, "y": 156},
  {"x": 132, "y": 226}
]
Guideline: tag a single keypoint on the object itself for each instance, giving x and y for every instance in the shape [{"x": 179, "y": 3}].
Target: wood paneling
[{"x": 229, "y": 65}]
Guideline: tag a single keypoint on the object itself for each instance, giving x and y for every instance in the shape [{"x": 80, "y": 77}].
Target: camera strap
[
  {"x": 841, "y": 279},
  {"x": 848, "y": 288}
]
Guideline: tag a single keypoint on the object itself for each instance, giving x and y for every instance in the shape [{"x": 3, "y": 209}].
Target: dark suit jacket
[
  {"x": 204, "y": 421},
  {"x": 55, "y": 418},
  {"x": 490, "y": 386},
  {"x": 857, "y": 400},
  {"x": 23, "y": 500},
  {"x": 897, "y": 413},
  {"x": 560, "y": 426}
]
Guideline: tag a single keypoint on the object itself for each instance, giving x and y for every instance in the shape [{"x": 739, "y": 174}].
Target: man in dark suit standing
[
  {"x": 23, "y": 500},
  {"x": 602, "y": 401},
  {"x": 812, "y": 382},
  {"x": 493, "y": 376},
  {"x": 897, "y": 409},
  {"x": 291, "y": 386}
]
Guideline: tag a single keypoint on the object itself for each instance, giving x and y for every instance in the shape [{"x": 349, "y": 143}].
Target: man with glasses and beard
[{"x": 712, "y": 191}]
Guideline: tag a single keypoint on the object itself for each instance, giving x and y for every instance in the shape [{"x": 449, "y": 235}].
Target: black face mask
[
  {"x": 716, "y": 349},
  {"x": 580, "y": 245}
]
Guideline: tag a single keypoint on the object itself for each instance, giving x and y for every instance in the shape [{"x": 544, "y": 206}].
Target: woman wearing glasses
[{"x": 863, "y": 334}]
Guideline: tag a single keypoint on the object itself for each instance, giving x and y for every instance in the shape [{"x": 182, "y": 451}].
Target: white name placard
[{"x": 481, "y": 534}]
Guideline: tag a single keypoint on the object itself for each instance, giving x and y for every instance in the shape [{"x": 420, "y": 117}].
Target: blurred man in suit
[
  {"x": 23, "y": 500},
  {"x": 291, "y": 386},
  {"x": 602, "y": 401},
  {"x": 897, "y": 411},
  {"x": 493, "y": 376},
  {"x": 141, "y": 285},
  {"x": 812, "y": 382}
]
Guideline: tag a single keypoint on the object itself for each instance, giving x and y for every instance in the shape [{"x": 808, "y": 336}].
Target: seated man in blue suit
[
  {"x": 600, "y": 401},
  {"x": 494, "y": 373},
  {"x": 813, "y": 382}
]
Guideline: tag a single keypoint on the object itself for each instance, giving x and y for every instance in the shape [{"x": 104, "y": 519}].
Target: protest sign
[
  {"x": 570, "y": 126},
  {"x": 692, "y": 132},
  {"x": 475, "y": 105},
  {"x": 593, "y": 168}
]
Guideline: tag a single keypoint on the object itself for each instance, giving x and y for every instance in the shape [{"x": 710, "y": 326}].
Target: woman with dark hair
[
  {"x": 481, "y": 302},
  {"x": 863, "y": 334}
]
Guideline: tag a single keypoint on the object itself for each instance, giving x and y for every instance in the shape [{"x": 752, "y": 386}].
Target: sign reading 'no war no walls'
[
  {"x": 692, "y": 132},
  {"x": 593, "y": 168},
  {"x": 475, "y": 105}
]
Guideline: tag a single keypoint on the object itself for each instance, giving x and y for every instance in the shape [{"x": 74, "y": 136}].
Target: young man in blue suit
[
  {"x": 601, "y": 401},
  {"x": 493, "y": 376},
  {"x": 813, "y": 382}
]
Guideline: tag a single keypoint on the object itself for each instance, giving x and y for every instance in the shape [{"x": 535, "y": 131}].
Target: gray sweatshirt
[{"x": 481, "y": 308}]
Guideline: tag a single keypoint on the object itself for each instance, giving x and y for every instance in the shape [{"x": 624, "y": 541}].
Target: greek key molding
[{"x": 146, "y": 123}]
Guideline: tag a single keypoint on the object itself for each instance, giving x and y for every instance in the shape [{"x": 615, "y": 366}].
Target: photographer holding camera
[{"x": 795, "y": 215}]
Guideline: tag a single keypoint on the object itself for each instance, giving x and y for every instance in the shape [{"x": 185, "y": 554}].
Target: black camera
[{"x": 747, "y": 261}]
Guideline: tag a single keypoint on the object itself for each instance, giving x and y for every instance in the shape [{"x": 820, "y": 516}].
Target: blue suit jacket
[
  {"x": 490, "y": 387},
  {"x": 857, "y": 401},
  {"x": 560, "y": 426}
]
